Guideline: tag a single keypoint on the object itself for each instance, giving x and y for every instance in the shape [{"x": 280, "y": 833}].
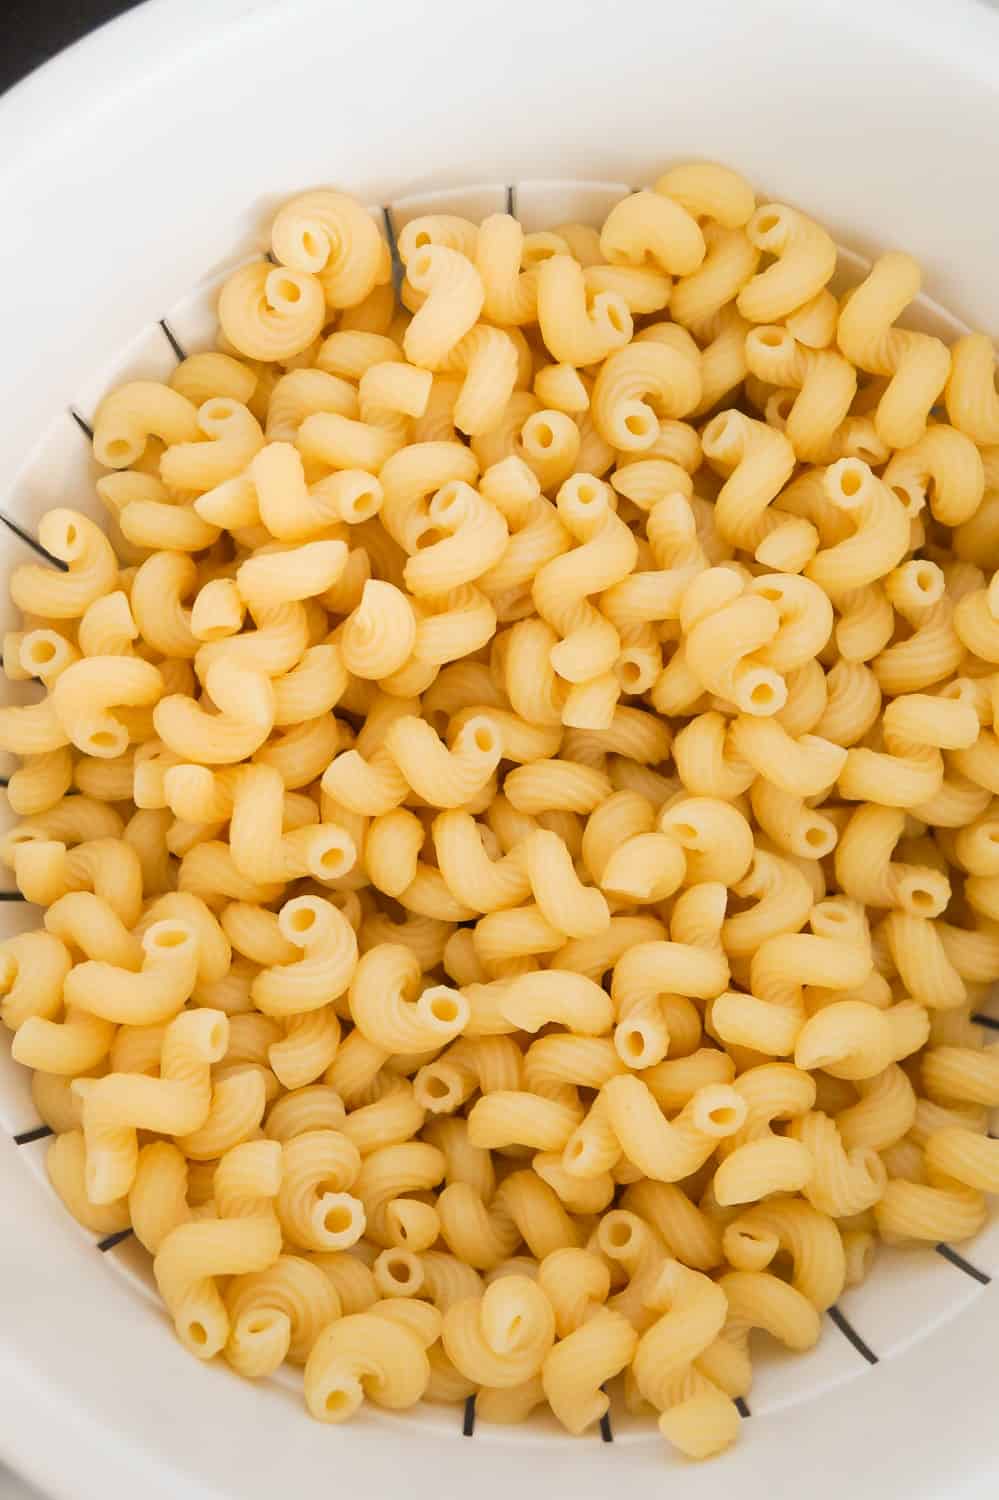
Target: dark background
[{"x": 34, "y": 29}]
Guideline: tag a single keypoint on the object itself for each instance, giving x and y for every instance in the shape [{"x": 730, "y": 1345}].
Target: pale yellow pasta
[
  {"x": 609, "y": 978},
  {"x": 176, "y": 1103},
  {"x": 805, "y": 258},
  {"x": 575, "y": 1370},
  {"x": 502, "y": 1338},
  {"x": 577, "y": 333},
  {"x": 329, "y": 957},
  {"x": 918, "y": 365}
]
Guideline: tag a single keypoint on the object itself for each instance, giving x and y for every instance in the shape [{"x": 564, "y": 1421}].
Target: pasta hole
[
  {"x": 444, "y": 1009},
  {"x": 762, "y": 694},
  {"x": 42, "y": 652},
  {"x": 170, "y": 937},
  {"x": 259, "y": 1323},
  {"x": 334, "y": 860},
  {"x": 849, "y": 482},
  {"x": 619, "y": 1234},
  {"x": 421, "y": 238},
  {"x": 289, "y": 291},
  {"x": 436, "y": 1088},
  {"x": 615, "y": 317},
  {"x": 685, "y": 832},
  {"x": 637, "y": 424},
  {"x": 117, "y": 449},
  {"x": 921, "y": 900},
  {"x": 302, "y": 920},
  {"x": 198, "y": 1334},
  {"x": 336, "y": 1401},
  {"x": 338, "y": 1219},
  {"x": 543, "y": 435},
  {"x": 815, "y": 837},
  {"x": 634, "y": 1043},
  {"x": 429, "y": 538},
  {"x": 103, "y": 740},
  {"x": 771, "y": 338},
  {"x": 423, "y": 264},
  {"x": 311, "y": 245},
  {"x": 485, "y": 740},
  {"x": 631, "y": 674},
  {"x": 576, "y": 1149},
  {"x": 767, "y": 221},
  {"x": 722, "y": 1114},
  {"x": 400, "y": 1271}
]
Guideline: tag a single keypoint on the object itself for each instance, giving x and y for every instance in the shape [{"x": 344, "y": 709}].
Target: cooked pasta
[{"x": 513, "y": 798}]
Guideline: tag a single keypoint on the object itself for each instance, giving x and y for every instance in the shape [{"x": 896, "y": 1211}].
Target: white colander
[{"x": 137, "y": 168}]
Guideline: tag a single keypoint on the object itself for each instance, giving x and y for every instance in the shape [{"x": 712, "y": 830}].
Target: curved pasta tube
[
  {"x": 85, "y": 694},
  {"x": 943, "y": 470},
  {"x": 388, "y": 1011},
  {"x": 805, "y": 259},
  {"x": 605, "y": 553},
  {"x": 228, "y": 437},
  {"x": 157, "y": 993},
  {"x": 246, "y": 1237},
  {"x": 177, "y": 1102},
  {"x": 653, "y": 226},
  {"x": 313, "y": 1204},
  {"x": 389, "y": 1172},
  {"x": 329, "y": 949},
  {"x": 247, "y": 709},
  {"x": 330, "y": 236},
  {"x": 826, "y": 384},
  {"x": 91, "y": 569},
  {"x": 503, "y": 1337},
  {"x": 270, "y": 312},
  {"x": 263, "y": 852},
  {"x": 867, "y": 873},
  {"x": 577, "y": 1367},
  {"x": 533, "y": 1000},
  {"x": 475, "y": 538},
  {"x": 693, "y": 1312},
  {"x": 756, "y": 462},
  {"x": 379, "y": 635},
  {"x": 135, "y": 412},
  {"x": 574, "y": 331},
  {"x": 649, "y": 978},
  {"x": 666, "y": 1150},
  {"x": 442, "y": 776},
  {"x": 33, "y": 967},
  {"x": 454, "y": 296},
  {"x": 654, "y": 377},
  {"x": 918, "y": 365},
  {"x": 809, "y": 1237},
  {"x": 729, "y": 634},
  {"x": 277, "y": 1314},
  {"x": 380, "y": 1355},
  {"x": 769, "y": 1018}
]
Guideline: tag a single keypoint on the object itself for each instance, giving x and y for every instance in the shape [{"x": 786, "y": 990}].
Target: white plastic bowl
[{"x": 135, "y": 168}]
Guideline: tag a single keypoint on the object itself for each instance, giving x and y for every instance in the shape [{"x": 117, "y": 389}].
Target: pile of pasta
[{"x": 513, "y": 799}]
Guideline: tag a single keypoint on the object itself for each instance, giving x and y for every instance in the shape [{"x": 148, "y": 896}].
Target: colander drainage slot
[
  {"x": 950, "y": 1254},
  {"x": 851, "y": 1335},
  {"x": 109, "y": 1241},
  {"x": 172, "y": 339},
  {"x": 468, "y": 1418},
  {"x": 83, "y": 425},
  {"x": 25, "y": 1137}
]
